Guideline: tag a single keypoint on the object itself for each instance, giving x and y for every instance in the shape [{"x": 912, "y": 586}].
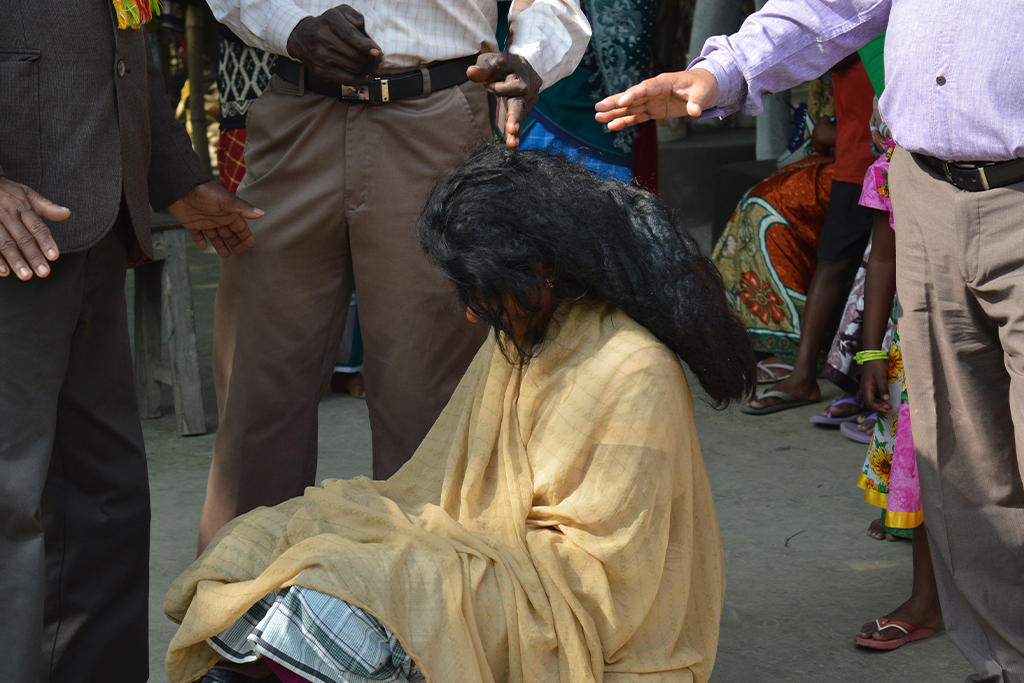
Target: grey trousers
[
  {"x": 74, "y": 494},
  {"x": 960, "y": 278}
]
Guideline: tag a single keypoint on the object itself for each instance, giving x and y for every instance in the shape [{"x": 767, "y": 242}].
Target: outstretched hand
[
  {"x": 682, "y": 93},
  {"x": 213, "y": 214},
  {"x": 511, "y": 78},
  {"x": 25, "y": 242}
]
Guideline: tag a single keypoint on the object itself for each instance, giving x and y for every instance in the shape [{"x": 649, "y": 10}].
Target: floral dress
[
  {"x": 768, "y": 252},
  {"x": 889, "y": 475}
]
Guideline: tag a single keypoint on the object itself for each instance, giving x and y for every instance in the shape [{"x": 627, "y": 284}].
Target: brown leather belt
[
  {"x": 977, "y": 176},
  {"x": 379, "y": 90}
]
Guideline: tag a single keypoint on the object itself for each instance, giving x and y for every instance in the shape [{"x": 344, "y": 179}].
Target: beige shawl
[{"x": 556, "y": 525}]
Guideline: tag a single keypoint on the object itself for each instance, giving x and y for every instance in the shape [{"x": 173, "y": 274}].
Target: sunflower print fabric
[{"x": 889, "y": 474}]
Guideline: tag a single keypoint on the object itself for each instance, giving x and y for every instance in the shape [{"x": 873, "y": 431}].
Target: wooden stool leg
[
  {"x": 147, "y": 337},
  {"x": 181, "y": 335}
]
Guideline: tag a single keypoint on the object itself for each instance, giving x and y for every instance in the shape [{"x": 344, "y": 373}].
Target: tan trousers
[
  {"x": 342, "y": 186},
  {"x": 960, "y": 278}
]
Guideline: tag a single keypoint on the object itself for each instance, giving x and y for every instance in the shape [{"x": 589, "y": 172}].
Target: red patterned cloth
[{"x": 230, "y": 159}]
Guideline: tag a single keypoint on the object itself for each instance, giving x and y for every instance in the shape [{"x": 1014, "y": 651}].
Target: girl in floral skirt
[{"x": 889, "y": 474}]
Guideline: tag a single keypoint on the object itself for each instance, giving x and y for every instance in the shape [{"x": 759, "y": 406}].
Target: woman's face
[{"x": 523, "y": 322}]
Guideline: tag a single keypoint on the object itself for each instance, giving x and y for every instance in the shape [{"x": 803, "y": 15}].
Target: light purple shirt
[{"x": 954, "y": 69}]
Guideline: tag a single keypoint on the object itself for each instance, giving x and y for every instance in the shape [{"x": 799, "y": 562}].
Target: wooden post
[
  {"x": 180, "y": 331},
  {"x": 196, "y": 85}
]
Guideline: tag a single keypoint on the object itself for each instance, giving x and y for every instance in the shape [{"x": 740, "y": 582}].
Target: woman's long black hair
[{"x": 506, "y": 222}]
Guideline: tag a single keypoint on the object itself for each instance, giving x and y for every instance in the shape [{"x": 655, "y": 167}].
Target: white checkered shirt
[{"x": 550, "y": 34}]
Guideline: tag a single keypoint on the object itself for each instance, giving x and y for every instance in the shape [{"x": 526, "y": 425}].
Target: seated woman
[{"x": 556, "y": 524}]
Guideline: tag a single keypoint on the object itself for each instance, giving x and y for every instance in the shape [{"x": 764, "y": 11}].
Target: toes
[
  {"x": 876, "y": 530},
  {"x": 867, "y": 630}
]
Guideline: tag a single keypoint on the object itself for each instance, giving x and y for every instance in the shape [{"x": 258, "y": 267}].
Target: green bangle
[{"x": 863, "y": 357}]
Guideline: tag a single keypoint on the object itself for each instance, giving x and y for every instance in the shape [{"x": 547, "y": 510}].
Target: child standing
[{"x": 889, "y": 474}]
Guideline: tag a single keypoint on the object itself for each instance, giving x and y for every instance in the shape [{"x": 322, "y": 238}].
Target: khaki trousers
[
  {"x": 342, "y": 186},
  {"x": 960, "y": 278}
]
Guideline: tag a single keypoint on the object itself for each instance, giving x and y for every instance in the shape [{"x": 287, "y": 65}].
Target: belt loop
[
  {"x": 426, "y": 81},
  {"x": 302, "y": 80},
  {"x": 984, "y": 179}
]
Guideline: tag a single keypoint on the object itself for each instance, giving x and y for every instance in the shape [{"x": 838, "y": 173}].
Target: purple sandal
[{"x": 836, "y": 421}]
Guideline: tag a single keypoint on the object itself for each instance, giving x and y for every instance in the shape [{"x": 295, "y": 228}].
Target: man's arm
[
  {"x": 787, "y": 43},
  {"x": 174, "y": 168},
  {"x": 178, "y": 182},
  {"x": 262, "y": 24},
  {"x": 551, "y": 35},
  {"x": 547, "y": 39}
]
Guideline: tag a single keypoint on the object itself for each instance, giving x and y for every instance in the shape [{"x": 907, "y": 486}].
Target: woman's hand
[
  {"x": 874, "y": 384},
  {"x": 665, "y": 96}
]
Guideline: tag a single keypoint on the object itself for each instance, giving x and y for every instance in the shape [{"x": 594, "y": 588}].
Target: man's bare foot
[
  {"x": 876, "y": 530},
  {"x": 803, "y": 390},
  {"x": 919, "y": 613},
  {"x": 348, "y": 383}
]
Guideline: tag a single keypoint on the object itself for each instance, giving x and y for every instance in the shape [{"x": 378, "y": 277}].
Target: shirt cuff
[
  {"x": 280, "y": 24},
  {"x": 732, "y": 89},
  {"x": 532, "y": 54}
]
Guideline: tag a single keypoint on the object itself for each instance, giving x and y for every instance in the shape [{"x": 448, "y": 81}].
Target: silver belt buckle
[
  {"x": 980, "y": 168},
  {"x": 355, "y": 92}
]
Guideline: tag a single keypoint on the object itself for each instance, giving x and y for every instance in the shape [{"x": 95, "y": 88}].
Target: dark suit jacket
[{"x": 84, "y": 118}]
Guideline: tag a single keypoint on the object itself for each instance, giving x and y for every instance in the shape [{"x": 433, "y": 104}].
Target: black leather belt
[
  {"x": 977, "y": 176},
  {"x": 380, "y": 90}
]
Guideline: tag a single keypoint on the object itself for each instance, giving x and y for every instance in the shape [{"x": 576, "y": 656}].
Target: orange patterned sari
[{"x": 768, "y": 252}]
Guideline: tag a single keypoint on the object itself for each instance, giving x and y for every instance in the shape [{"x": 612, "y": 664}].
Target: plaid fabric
[
  {"x": 319, "y": 637},
  {"x": 230, "y": 159},
  {"x": 550, "y": 34},
  {"x": 539, "y": 137}
]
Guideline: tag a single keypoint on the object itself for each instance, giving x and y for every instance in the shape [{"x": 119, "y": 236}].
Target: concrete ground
[{"x": 802, "y": 574}]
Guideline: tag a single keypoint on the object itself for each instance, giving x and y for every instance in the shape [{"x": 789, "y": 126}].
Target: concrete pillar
[
  {"x": 774, "y": 125},
  {"x": 722, "y": 17},
  {"x": 714, "y": 18}
]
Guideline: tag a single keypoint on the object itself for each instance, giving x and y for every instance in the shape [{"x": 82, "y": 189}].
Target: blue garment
[{"x": 539, "y": 137}]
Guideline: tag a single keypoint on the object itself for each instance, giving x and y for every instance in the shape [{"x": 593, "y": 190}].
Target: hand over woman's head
[{"x": 508, "y": 225}]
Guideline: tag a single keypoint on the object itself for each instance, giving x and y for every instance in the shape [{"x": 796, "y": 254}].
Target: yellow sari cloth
[{"x": 556, "y": 525}]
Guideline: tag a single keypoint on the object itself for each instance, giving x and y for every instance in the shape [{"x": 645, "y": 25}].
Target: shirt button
[
  {"x": 120, "y": 68},
  {"x": 941, "y": 80}
]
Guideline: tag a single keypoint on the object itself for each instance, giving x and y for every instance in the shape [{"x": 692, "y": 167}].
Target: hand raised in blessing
[
  {"x": 511, "y": 78},
  {"x": 665, "y": 96}
]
